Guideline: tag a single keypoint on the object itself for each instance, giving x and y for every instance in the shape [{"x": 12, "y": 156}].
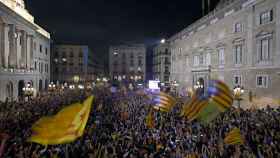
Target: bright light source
[
  {"x": 153, "y": 84},
  {"x": 162, "y": 41}
]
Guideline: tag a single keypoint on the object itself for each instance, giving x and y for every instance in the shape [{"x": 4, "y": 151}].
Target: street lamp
[
  {"x": 105, "y": 79},
  {"x": 81, "y": 87},
  {"x": 238, "y": 92},
  {"x": 198, "y": 87},
  {"x": 72, "y": 87},
  {"x": 28, "y": 90},
  {"x": 162, "y": 41},
  {"x": 51, "y": 87}
]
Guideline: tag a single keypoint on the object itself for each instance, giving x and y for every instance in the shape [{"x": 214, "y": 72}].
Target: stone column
[
  {"x": 1, "y": 45},
  {"x": 12, "y": 47},
  {"x": 28, "y": 51},
  {"x": 250, "y": 38},
  {"x": 6, "y": 45},
  {"x": 31, "y": 51},
  {"x": 18, "y": 49},
  {"x": 277, "y": 38},
  {"x": 24, "y": 49}
]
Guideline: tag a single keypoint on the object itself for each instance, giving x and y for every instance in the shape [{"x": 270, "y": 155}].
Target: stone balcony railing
[{"x": 13, "y": 70}]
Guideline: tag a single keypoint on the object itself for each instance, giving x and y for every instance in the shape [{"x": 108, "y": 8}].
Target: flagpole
[{"x": 209, "y": 5}]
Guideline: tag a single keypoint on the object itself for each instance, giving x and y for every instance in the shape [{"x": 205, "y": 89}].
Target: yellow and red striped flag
[
  {"x": 207, "y": 108},
  {"x": 164, "y": 102},
  {"x": 192, "y": 108},
  {"x": 66, "y": 126},
  {"x": 234, "y": 137}
]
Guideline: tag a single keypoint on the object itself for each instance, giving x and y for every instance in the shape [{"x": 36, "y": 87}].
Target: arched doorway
[
  {"x": 20, "y": 88},
  {"x": 40, "y": 85},
  {"x": 10, "y": 90},
  {"x": 201, "y": 85}
]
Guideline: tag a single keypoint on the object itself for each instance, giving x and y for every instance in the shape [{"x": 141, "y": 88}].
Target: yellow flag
[
  {"x": 66, "y": 126},
  {"x": 234, "y": 137}
]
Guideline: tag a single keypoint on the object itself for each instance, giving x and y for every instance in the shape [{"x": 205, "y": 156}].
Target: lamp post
[
  {"x": 71, "y": 87},
  {"x": 52, "y": 87},
  {"x": 81, "y": 87},
  {"x": 198, "y": 87},
  {"x": 28, "y": 91},
  {"x": 238, "y": 92}
]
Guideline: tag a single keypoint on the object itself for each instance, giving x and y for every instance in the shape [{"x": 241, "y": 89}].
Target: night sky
[{"x": 99, "y": 23}]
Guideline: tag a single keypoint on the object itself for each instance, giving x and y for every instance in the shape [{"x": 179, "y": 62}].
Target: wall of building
[
  {"x": 72, "y": 61},
  {"x": 161, "y": 62},
  {"x": 128, "y": 62},
  {"x": 197, "y": 50},
  {"x": 19, "y": 36}
]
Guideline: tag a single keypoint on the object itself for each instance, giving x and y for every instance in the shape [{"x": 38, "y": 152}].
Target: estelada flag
[
  {"x": 163, "y": 102},
  {"x": 234, "y": 137},
  {"x": 64, "y": 127},
  {"x": 207, "y": 108}
]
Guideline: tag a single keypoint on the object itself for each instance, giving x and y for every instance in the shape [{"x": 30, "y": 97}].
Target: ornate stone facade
[
  {"x": 24, "y": 51},
  {"x": 238, "y": 42}
]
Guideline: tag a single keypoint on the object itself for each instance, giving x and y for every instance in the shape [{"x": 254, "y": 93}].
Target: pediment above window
[
  {"x": 264, "y": 34},
  {"x": 221, "y": 45},
  {"x": 238, "y": 41}
]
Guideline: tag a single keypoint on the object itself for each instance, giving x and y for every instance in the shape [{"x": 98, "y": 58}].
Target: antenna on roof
[
  {"x": 209, "y": 6},
  {"x": 203, "y": 7}
]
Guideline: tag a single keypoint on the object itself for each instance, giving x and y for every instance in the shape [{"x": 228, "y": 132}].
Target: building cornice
[
  {"x": 23, "y": 16},
  {"x": 212, "y": 18}
]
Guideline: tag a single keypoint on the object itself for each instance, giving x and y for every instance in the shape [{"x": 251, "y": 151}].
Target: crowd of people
[{"x": 116, "y": 128}]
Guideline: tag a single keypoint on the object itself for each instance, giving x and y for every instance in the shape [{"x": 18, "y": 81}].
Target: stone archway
[
  {"x": 201, "y": 82},
  {"x": 21, "y": 85}
]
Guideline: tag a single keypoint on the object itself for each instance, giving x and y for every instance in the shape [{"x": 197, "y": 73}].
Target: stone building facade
[
  {"x": 161, "y": 62},
  {"x": 238, "y": 42},
  {"x": 75, "y": 63},
  {"x": 128, "y": 62},
  {"x": 24, "y": 51}
]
